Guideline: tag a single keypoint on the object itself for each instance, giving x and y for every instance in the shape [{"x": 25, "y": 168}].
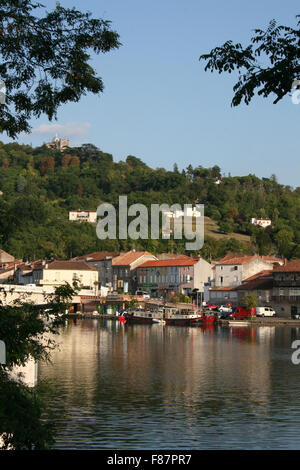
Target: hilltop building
[
  {"x": 261, "y": 222},
  {"x": 58, "y": 144},
  {"x": 83, "y": 216}
]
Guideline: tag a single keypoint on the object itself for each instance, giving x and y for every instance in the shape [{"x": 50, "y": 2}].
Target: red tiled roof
[
  {"x": 264, "y": 273},
  {"x": 73, "y": 265},
  {"x": 236, "y": 259},
  {"x": 98, "y": 256},
  {"x": 165, "y": 256},
  {"x": 222, "y": 288},
  {"x": 30, "y": 266},
  {"x": 261, "y": 284},
  {"x": 292, "y": 266},
  {"x": 169, "y": 262},
  {"x": 128, "y": 258}
]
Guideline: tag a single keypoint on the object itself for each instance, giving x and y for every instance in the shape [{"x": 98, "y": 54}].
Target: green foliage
[
  {"x": 250, "y": 301},
  {"x": 34, "y": 206},
  {"x": 26, "y": 329},
  {"x": 269, "y": 65},
  {"x": 180, "y": 298},
  {"x": 45, "y": 60}
]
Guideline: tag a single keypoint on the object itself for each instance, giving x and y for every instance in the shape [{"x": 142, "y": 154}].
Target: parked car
[
  {"x": 265, "y": 312},
  {"x": 141, "y": 293},
  {"x": 224, "y": 315},
  {"x": 242, "y": 313},
  {"x": 225, "y": 308}
]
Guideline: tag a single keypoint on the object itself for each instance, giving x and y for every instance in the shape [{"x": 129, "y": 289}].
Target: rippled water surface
[{"x": 164, "y": 387}]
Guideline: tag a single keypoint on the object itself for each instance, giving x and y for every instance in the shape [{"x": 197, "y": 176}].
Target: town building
[
  {"x": 56, "y": 273},
  {"x": 286, "y": 289},
  {"x": 221, "y": 296},
  {"x": 83, "y": 216},
  {"x": 180, "y": 275},
  {"x": 102, "y": 261},
  {"x": 5, "y": 258},
  {"x": 233, "y": 269},
  {"x": 125, "y": 269},
  {"x": 260, "y": 284},
  {"x": 24, "y": 272},
  {"x": 261, "y": 222}
]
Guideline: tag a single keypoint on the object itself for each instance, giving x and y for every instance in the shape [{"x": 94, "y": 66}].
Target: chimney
[{"x": 285, "y": 261}]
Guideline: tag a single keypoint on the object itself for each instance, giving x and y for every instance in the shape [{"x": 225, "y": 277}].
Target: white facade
[
  {"x": 56, "y": 277},
  {"x": 261, "y": 222},
  {"x": 190, "y": 212},
  {"x": 230, "y": 275},
  {"x": 83, "y": 216}
]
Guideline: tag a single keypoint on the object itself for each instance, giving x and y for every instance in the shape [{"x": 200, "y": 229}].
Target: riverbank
[{"x": 262, "y": 321}]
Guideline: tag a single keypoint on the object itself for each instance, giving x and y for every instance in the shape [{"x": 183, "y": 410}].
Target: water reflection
[{"x": 157, "y": 387}]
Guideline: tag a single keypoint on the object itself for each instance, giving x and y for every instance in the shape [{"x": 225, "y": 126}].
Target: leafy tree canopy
[
  {"x": 44, "y": 59},
  {"x": 268, "y": 65}
]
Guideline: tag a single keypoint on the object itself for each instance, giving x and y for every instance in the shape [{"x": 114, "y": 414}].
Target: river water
[{"x": 157, "y": 387}]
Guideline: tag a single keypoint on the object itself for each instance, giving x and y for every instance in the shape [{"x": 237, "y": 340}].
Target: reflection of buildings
[{"x": 161, "y": 371}]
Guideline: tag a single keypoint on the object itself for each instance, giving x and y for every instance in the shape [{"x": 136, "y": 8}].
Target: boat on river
[
  {"x": 168, "y": 316},
  {"x": 140, "y": 315},
  {"x": 173, "y": 316},
  {"x": 206, "y": 318}
]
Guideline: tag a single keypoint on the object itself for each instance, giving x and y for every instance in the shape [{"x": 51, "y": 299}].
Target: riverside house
[
  {"x": 286, "y": 289},
  {"x": 232, "y": 270},
  {"x": 260, "y": 284},
  {"x": 57, "y": 273},
  {"x": 180, "y": 275},
  {"x": 125, "y": 269},
  {"x": 102, "y": 261}
]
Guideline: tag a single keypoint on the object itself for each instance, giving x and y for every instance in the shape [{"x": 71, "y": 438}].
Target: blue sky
[{"x": 160, "y": 105}]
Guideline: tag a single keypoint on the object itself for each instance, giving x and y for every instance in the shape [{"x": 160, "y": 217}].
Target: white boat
[{"x": 159, "y": 320}]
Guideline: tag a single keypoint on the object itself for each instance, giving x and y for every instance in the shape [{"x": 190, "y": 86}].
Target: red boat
[{"x": 206, "y": 318}]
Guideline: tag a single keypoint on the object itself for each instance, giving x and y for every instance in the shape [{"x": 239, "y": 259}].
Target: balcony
[
  {"x": 287, "y": 283},
  {"x": 291, "y": 299}
]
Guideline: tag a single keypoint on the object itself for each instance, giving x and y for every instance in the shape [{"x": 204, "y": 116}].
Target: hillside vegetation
[{"x": 41, "y": 185}]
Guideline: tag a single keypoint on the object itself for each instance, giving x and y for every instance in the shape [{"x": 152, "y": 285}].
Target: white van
[
  {"x": 141, "y": 293},
  {"x": 265, "y": 312}
]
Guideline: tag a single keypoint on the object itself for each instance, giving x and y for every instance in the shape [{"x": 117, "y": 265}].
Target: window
[
  {"x": 294, "y": 292},
  {"x": 221, "y": 279}
]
